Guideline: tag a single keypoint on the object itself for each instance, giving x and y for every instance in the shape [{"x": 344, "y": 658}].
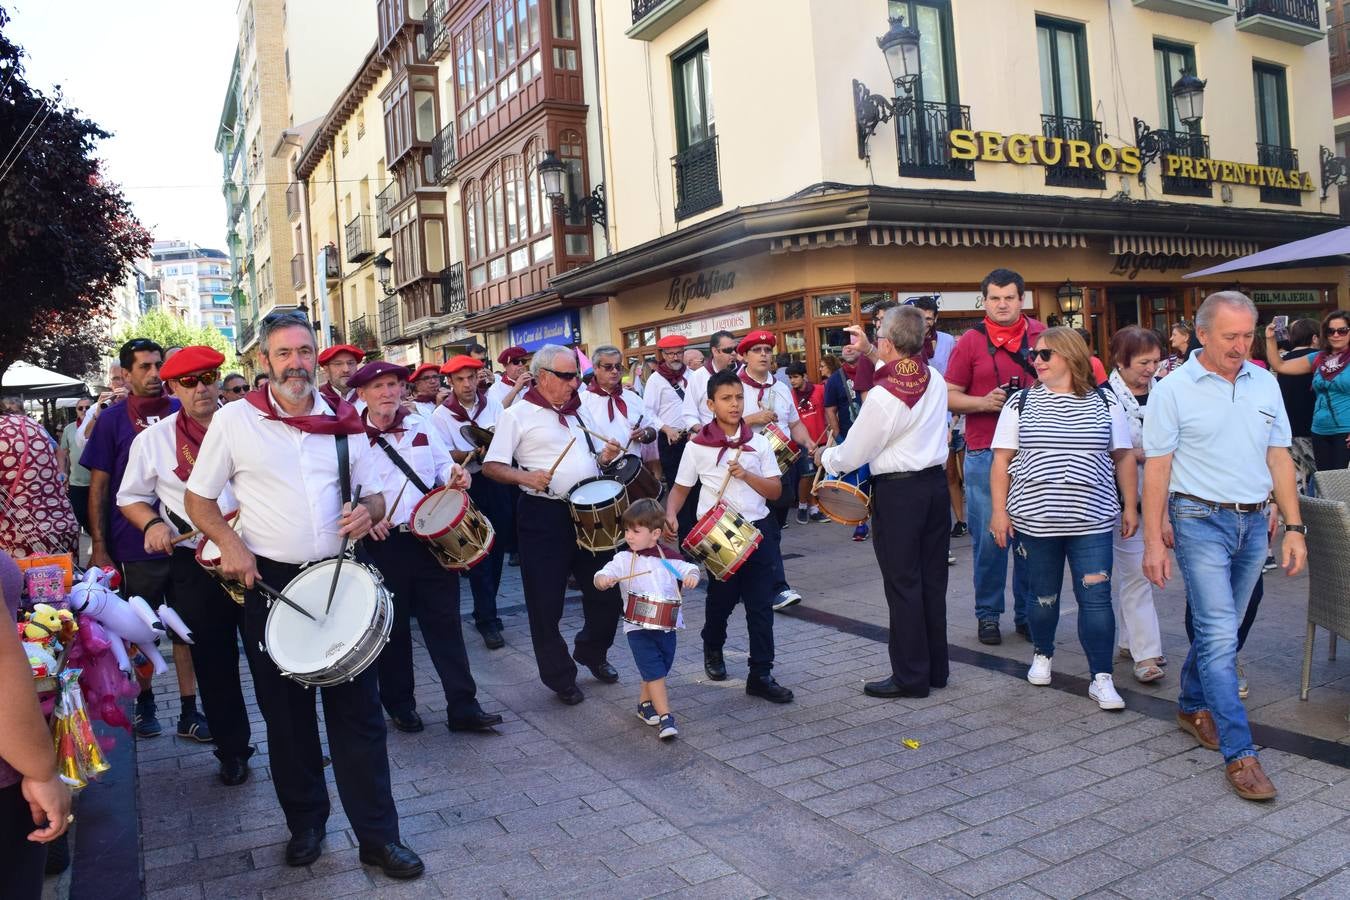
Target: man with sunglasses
[
  {"x": 233, "y": 388},
  {"x": 619, "y": 412},
  {"x": 427, "y": 392},
  {"x": 545, "y": 437},
  {"x": 721, "y": 356},
  {"x": 339, "y": 362},
  {"x": 151, "y": 498},
  {"x": 515, "y": 377},
  {"x": 70, "y": 450}
]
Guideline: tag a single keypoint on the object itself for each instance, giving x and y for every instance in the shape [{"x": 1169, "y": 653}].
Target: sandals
[{"x": 1148, "y": 670}]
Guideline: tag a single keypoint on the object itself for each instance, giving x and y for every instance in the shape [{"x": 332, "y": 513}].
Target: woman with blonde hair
[{"x": 1062, "y": 460}]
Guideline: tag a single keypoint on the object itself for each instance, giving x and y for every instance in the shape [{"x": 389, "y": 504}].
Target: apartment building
[{"x": 199, "y": 280}]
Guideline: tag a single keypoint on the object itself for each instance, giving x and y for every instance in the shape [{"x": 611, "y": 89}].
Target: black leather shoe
[
  {"x": 396, "y": 860},
  {"x": 233, "y": 771},
  {"x": 409, "y": 721},
  {"x": 769, "y": 689},
  {"x": 303, "y": 847},
  {"x": 888, "y": 689},
  {"x": 478, "y": 721},
  {"x": 571, "y": 696},
  {"x": 989, "y": 633},
  {"x": 492, "y": 638},
  {"x": 602, "y": 670},
  {"x": 714, "y": 665}
]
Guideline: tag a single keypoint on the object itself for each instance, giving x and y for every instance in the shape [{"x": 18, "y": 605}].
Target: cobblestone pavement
[{"x": 1011, "y": 791}]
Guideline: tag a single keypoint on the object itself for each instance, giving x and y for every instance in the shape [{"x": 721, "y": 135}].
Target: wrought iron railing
[
  {"x": 1300, "y": 12},
  {"x": 642, "y": 7},
  {"x": 1069, "y": 129},
  {"x": 359, "y": 245},
  {"x": 454, "y": 299},
  {"x": 293, "y": 200},
  {"x": 1285, "y": 158},
  {"x": 444, "y": 154},
  {"x": 697, "y": 186},
  {"x": 384, "y": 201},
  {"x": 434, "y": 30},
  {"x": 361, "y": 334},
  {"x": 389, "y": 327},
  {"x": 298, "y": 271},
  {"x": 1185, "y": 143},
  {"x": 247, "y": 331},
  {"x": 921, "y": 141}
]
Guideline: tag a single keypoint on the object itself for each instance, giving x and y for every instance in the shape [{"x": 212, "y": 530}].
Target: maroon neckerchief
[
  {"x": 569, "y": 408},
  {"x": 509, "y": 382},
  {"x": 659, "y": 552},
  {"x": 676, "y": 377},
  {"x": 142, "y": 410},
  {"x": 615, "y": 399},
  {"x": 746, "y": 379},
  {"x": 712, "y": 435},
  {"x": 344, "y": 421},
  {"x": 458, "y": 411},
  {"x": 331, "y": 395},
  {"x": 708, "y": 365},
  {"x": 906, "y": 378},
  {"x": 803, "y": 397},
  {"x": 374, "y": 431},
  {"x": 188, "y": 436},
  {"x": 1330, "y": 365}
]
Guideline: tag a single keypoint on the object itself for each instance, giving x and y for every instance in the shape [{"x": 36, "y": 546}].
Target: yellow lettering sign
[
  {"x": 1018, "y": 148},
  {"x": 991, "y": 146},
  {"x": 961, "y": 143}
]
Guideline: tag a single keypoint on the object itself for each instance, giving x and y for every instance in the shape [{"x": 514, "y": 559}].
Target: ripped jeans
[{"x": 1089, "y": 558}]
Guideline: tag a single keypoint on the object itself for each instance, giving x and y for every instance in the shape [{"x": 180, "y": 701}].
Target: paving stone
[
  {"x": 1337, "y": 887},
  {"x": 857, "y": 774},
  {"x": 1301, "y": 818},
  {"x": 856, "y": 797},
  {"x": 1317, "y": 854},
  {"x": 1179, "y": 876},
  {"x": 1071, "y": 840},
  {"x": 992, "y": 871},
  {"x": 933, "y": 857},
  {"x": 793, "y": 771},
  {"x": 916, "y": 831},
  {"x": 1232, "y": 849},
  {"x": 1080, "y": 875},
  {"x": 991, "y": 805},
  {"x": 1265, "y": 879},
  {"x": 698, "y": 869},
  {"x": 991, "y": 836}
]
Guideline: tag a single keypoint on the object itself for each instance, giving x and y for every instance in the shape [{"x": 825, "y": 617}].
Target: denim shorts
[{"x": 653, "y": 651}]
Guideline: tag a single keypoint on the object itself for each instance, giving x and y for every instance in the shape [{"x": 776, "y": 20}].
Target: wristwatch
[{"x": 1301, "y": 529}]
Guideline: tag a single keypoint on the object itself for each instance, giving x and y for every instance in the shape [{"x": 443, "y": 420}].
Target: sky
[{"x": 154, "y": 73}]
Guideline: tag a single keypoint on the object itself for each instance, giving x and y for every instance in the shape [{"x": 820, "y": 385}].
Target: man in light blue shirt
[{"x": 1217, "y": 441}]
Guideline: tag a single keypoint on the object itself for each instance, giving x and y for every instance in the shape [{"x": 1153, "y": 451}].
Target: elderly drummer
[
  {"x": 339, "y": 364},
  {"x": 287, "y": 453},
  {"x": 545, "y": 434},
  {"x": 617, "y": 411},
  {"x": 901, "y": 431},
  {"x": 151, "y": 498},
  {"x": 410, "y": 463},
  {"x": 467, "y": 407}
]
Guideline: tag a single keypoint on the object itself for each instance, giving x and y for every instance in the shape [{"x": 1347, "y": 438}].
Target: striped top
[{"x": 1063, "y": 477}]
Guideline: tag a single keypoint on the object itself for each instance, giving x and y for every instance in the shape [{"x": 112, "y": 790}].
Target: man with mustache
[{"x": 340, "y": 362}]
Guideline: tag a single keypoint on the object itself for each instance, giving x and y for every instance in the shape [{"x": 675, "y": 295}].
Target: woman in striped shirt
[{"x": 1061, "y": 451}]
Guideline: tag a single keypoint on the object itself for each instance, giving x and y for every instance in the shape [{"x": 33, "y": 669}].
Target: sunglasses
[
  {"x": 1042, "y": 355},
  {"x": 609, "y": 367},
  {"x": 238, "y": 389},
  {"x": 191, "y": 381},
  {"x": 565, "y": 376},
  {"x": 1339, "y": 331},
  {"x": 516, "y": 362},
  {"x": 84, "y": 408}
]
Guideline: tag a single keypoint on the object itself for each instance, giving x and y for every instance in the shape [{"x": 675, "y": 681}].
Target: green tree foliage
[{"x": 168, "y": 331}]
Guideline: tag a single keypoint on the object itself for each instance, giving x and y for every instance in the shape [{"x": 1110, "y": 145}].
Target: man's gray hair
[
  {"x": 1235, "y": 300},
  {"x": 545, "y": 355},
  {"x": 605, "y": 350},
  {"x": 905, "y": 327},
  {"x": 277, "y": 321}
]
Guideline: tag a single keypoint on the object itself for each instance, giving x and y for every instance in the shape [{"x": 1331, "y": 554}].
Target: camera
[{"x": 1014, "y": 384}]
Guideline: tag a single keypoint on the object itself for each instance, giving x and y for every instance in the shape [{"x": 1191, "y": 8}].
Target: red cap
[
  {"x": 374, "y": 369},
  {"x": 672, "y": 342},
  {"x": 423, "y": 369},
  {"x": 326, "y": 356},
  {"x": 512, "y": 353},
  {"x": 192, "y": 359},
  {"x": 754, "y": 339},
  {"x": 455, "y": 363}
]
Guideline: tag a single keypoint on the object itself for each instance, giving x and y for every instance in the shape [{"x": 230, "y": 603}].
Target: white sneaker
[
  {"x": 1039, "y": 673},
  {"x": 786, "y": 599},
  {"x": 1243, "y": 688},
  {"x": 1103, "y": 690}
]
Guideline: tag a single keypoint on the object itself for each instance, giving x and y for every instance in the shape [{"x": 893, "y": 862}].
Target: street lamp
[
  {"x": 553, "y": 172},
  {"x": 1188, "y": 103},
  {"x": 1188, "y": 98},
  {"x": 1070, "y": 298},
  {"x": 384, "y": 268},
  {"x": 900, "y": 46}
]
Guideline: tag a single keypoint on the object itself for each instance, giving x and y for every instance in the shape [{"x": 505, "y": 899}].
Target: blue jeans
[
  {"x": 990, "y": 561},
  {"x": 1089, "y": 558},
  {"x": 1219, "y": 553}
]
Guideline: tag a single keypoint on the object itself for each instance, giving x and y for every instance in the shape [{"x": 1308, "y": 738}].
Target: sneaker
[
  {"x": 1269, "y": 564},
  {"x": 146, "y": 722},
  {"x": 819, "y": 516},
  {"x": 951, "y": 559},
  {"x": 647, "y": 713},
  {"x": 960, "y": 529},
  {"x": 1103, "y": 690},
  {"x": 860, "y": 533},
  {"x": 785, "y": 599},
  {"x": 1039, "y": 673},
  {"x": 803, "y": 518},
  {"x": 989, "y": 633},
  {"x": 668, "y": 729},
  {"x": 1242, "y": 683},
  {"x": 193, "y": 726}
]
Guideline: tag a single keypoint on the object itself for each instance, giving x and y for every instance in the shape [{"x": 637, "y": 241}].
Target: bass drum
[{"x": 635, "y": 477}]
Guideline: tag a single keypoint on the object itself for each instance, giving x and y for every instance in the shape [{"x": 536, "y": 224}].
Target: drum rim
[
  {"x": 614, "y": 466},
  {"x": 588, "y": 507},
  {"x": 383, "y": 598},
  {"x": 412, "y": 517}
]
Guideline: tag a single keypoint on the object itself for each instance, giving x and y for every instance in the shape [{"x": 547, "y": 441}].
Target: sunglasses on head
[
  {"x": 1339, "y": 331},
  {"x": 565, "y": 376},
  {"x": 191, "y": 381},
  {"x": 1042, "y": 355}
]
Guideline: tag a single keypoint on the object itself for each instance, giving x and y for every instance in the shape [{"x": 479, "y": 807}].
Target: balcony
[
  {"x": 248, "y": 331},
  {"x": 1285, "y": 158},
  {"x": 1204, "y": 10},
  {"x": 697, "y": 187},
  {"x": 435, "y": 32},
  {"x": 390, "y": 332},
  {"x": 454, "y": 300},
  {"x": 293, "y": 201},
  {"x": 1184, "y": 143},
  {"x": 921, "y": 141},
  {"x": 384, "y": 201},
  {"x": 652, "y": 17},
  {"x": 1062, "y": 175},
  {"x": 1337, "y": 37},
  {"x": 298, "y": 271},
  {"x": 1295, "y": 21},
  {"x": 444, "y": 155},
  {"x": 359, "y": 333},
  {"x": 359, "y": 243}
]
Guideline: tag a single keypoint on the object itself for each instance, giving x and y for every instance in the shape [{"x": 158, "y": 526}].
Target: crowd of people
[{"x": 633, "y": 485}]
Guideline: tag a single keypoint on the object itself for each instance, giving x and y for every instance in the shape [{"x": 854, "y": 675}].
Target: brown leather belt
[{"x": 1215, "y": 504}]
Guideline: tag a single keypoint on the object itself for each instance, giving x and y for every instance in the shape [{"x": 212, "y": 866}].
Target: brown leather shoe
[
  {"x": 1200, "y": 725},
  {"x": 1249, "y": 780}
]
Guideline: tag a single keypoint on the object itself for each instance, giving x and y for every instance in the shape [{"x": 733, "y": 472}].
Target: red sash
[{"x": 906, "y": 378}]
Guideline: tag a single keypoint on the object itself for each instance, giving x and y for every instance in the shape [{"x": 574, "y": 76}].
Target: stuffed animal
[
  {"x": 42, "y": 625},
  {"x": 91, "y": 596}
]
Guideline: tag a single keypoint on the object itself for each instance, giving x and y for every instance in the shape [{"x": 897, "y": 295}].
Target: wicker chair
[
  {"x": 1333, "y": 484},
  {"x": 1328, "y": 524}
]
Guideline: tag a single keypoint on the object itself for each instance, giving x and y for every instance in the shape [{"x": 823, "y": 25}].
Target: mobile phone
[{"x": 1281, "y": 328}]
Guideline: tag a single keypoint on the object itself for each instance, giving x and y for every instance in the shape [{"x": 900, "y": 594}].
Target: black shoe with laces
[
  {"x": 396, "y": 860},
  {"x": 989, "y": 633},
  {"x": 764, "y": 686},
  {"x": 714, "y": 665},
  {"x": 147, "y": 722},
  {"x": 960, "y": 529}
]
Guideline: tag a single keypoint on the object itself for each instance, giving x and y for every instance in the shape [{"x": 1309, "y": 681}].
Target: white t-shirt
[
  {"x": 652, "y": 578},
  {"x": 533, "y": 437},
  {"x": 424, "y": 452},
  {"x": 450, "y": 429},
  {"x": 698, "y": 464}
]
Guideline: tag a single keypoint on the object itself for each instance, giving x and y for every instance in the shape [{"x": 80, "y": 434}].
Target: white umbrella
[
  {"x": 1330, "y": 249},
  {"x": 34, "y": 382}
]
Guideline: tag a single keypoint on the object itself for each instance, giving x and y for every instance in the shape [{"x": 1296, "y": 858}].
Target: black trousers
[
  {"x": 24, "y": 859},
  {"x": 1330, "y": 451},
  {"x": 422, "y": 588},
  {"x": 911, "y": 533},
  {"x": 548, "y": 554},
  {"x": 493, "y": 500},
  {"x": 753, "y": 587},
  {"x": 216, "y": 622},
  {"x": 670, "y": 467},
  {"x": 356, "y": 734},
  {"x": 79, "y": 499}
]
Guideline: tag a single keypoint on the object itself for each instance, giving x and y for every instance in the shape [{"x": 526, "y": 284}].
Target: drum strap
[
  {"x": 183, "y": 527},
  {"x": 344, "y": 468},
  {"x": 402, "y": 464}
]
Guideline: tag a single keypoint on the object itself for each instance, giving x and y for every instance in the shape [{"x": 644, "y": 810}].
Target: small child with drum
[{"x": 651, "y": 579}]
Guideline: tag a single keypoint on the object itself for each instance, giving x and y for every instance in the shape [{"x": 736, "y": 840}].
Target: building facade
[{"x": 199, "y": 279}]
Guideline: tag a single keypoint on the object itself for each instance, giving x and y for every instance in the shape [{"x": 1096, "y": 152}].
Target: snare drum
[
  {"x": 846, "y": 499},
  {"x": 651, "y": 612},
  {"x": 208, "y": 557},
  {"x": 341, "y": 644},
  {"x": 722, "y": 540},
  {"x": 637, "y": 478},
  {"x": 597, "y": 506},
  {"x": 784, "y": 448},
  {"x": 458, "y": 535}
]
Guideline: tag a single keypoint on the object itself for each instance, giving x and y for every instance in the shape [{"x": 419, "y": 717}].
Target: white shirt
[
  {"x": 424, "y": 408},
  {"x": 892, "y": 437},
  {"x": 650, "y": 578},
  {"x": 498, "y": 390},
  {"x": 778, "y": 397},
  {"x": 533, "y": 437},
  {"x": 286, "y": 480},
  {"x": 597, "y": 410},
  {"x": 696, "y": 412},
  {"x": 664, "y": 406},
  {"x": 423, "y": 450},
  {"x": 699, "y": 464},
  {"x": 448, "y": 428},
  {"x": 149, "y": 476}
]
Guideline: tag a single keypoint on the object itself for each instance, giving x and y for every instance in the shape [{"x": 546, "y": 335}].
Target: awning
[
  {"x": 1180, "y": 245},
  {"x": 817, "y": 240},
  {"x": 1330, "y": 249},
  {"x": 34, "y": 382},
  {"x": 974, "y": 237}
]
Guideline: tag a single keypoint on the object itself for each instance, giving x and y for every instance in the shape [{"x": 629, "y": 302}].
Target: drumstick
[
  {"x": 633, "y": 575},
  {"x": 561, "y": 456},
  {"x": 726, "y": 481},
  {"x": 278, "y": 595},
  {"x": 186, "y": 537},
  {"x": 391, "y": 509},
  {"x": 630, "y": 439},
  {"x": 598, "y": 437},
  {"x": 820, "y": 470},
  {"x": 342, "y": 553}
]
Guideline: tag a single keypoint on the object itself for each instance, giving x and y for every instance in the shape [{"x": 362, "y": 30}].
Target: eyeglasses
[
  {"x": 429, "y": 377},
  {"x": 516, "y": 362},
  {"x": 1340, "y": 331},
  {"x": 191, "y": 381},
  {"x": 565, "y": 376},
  {"x": 609, "y": 367},
  {"x": 237, "y": 389},
  {"x": 725, "y": 351},
  {"x": 1042, "y": 355},
  {"x": 84, "y": 408}
]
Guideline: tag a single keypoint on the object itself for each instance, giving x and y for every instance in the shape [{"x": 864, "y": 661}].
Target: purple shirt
[
  {"x": 108, "y": 449},
  {"x": 8, "y": 775}
]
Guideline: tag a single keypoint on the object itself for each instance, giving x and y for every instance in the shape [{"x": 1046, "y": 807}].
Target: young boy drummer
[
  {"x": 727, "y": 445},
  {"x": 646, "y": 568}
]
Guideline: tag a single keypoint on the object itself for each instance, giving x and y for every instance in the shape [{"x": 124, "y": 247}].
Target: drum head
[
  {"x": 595, "y": 491},
  {"x": 625, "y": 468},
  {"x": 843, "y": 502},
  {"x": 438, "y": 512},
  {"x": 300, "y": 646}
]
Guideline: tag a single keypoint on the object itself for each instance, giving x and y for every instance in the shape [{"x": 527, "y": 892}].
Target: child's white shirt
[{"x": 653, "y": 580}]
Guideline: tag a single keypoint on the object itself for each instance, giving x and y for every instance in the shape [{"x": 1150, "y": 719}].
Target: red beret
[
  {"x": 511, "y": 353},
  {"x": 374, "y": 369},
  {"x": 672, "y": 342},
  {"x": 423, "y": 369},
  {"x": 754, "y": 339},
  {"x": 192, "y": 359},
  {"x": 455, "y": 363},
  {"x": 326, "y": 356}
]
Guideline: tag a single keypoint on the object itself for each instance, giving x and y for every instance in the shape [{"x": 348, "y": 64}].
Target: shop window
[
  {"x": 766, "y": 315},
  {"x": 794, "y": 310},
  {"x": 868, "y": 301},
  {"x": 632, "y": 339},
  {"x": 833, "y": 340},
  {"x": 794, "y": 345},
  {"x": 648, "y": 337},
  {"x": 833, "y": 305}
]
